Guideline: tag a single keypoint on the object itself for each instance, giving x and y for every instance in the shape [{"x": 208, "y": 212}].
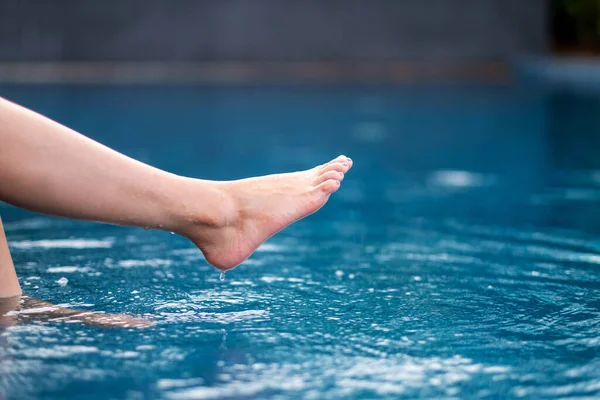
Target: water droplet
[
  {"x": 62, "y": 282},
  {"x": 222, "y": 276}
]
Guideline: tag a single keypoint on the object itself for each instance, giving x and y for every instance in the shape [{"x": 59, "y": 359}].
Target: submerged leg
[
  {"x": 9, "y": 284},
  {"x": 13, "y": 307},
  {"x": 48, "y": 168}
]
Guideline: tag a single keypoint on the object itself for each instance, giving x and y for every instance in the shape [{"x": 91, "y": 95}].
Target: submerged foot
[{"x": 255, "y": 209}]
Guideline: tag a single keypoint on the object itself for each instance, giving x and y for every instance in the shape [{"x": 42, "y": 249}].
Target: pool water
[{"x": 460, "y": 258}]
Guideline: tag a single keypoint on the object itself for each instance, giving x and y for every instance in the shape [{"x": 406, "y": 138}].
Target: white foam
[
  {"x": 251, "y": 261},
  {"x": 562, "y": 255},
  {"x": 242, "y": 283},
  {"x": 63, "y": 244},
  {"x": 155, "y": 262},
  {"x": 385, "y": 375},
  {"x": 186, "y": 252},
  {"x": 271, "y": 279},
  {"x": 62, "y": 281},
  {"x": 67, "y": 270},
  {"x": 221, "y": 318},
  {"x": 271, "y": 247},
  {"x": 145, "y": 347},
  {"x": 59, "y": 351},
  {"x": 239, "y": 389}
]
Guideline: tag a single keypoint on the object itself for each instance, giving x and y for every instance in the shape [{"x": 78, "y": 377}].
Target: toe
[
  {"x": 342, "y": 167},
  {"x": 329, "y": 186},
  {"x": 333, "y": 174},
  {"x": 338, "y": 159}
]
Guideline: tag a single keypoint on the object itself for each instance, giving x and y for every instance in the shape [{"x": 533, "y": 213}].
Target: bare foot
[{"x": 254, "y": 209}]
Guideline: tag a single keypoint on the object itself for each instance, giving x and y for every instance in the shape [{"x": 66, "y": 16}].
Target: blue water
[{"x": 460, "y": 258}]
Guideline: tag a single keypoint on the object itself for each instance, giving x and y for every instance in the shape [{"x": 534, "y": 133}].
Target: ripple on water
[
  {"x": 432, "y": 273},
  {"x": 31, "y": 224},
  {"x": 155, "y": 262},
  {"x": 68, "y": 270},
  {"x": 272, "y": 248},
  {"x": 346, "y": 376},
  {"x": 460, "y": 179},
  {"x": 430, "y": 310},
  {"x": 63, "y": 244},
  {"x": 192, "y": 316}
]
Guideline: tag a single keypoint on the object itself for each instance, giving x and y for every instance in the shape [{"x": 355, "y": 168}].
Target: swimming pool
[{"x": 460, "y": 259}]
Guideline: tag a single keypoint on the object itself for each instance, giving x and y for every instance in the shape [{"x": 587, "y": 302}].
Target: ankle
[{"x": 202, "y": 204}]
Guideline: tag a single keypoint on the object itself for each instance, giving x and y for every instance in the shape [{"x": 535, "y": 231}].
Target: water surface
[{"x": 460, "y": 259}]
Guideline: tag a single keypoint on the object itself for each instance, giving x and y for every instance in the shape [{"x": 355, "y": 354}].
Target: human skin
[
  {"x": 9, "y": 284},
  {"x": 48, "y": 168}
]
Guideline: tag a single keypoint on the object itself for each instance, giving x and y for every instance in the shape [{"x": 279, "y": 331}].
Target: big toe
[
  {"x": 339, "y": 159},
  {"x": 341, "y": 164}
]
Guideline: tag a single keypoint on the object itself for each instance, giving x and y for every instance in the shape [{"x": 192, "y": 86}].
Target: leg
[
  {"x": 9, "y": 285},
  {"x": 10, "y": 300},
  {"x": 49, "y": 168}
]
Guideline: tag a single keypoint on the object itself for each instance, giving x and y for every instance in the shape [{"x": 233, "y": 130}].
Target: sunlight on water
[
  {"x": 468, "y": 301},
  {"x": 463, "y": 268},
  {"x": 460, "y": 179},
  {"x": 62, "y": 244}
]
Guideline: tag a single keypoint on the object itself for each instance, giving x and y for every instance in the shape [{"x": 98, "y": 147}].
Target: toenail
[{"x": 345, "y": 164}]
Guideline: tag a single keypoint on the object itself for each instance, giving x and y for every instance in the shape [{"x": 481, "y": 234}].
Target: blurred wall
[{"x": 271, "y": 30}]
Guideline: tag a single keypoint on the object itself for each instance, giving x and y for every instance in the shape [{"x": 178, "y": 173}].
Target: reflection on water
[{"x": 460, "y": 259}]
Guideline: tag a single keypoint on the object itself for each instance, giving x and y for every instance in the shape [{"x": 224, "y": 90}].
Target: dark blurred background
[
  {"x": 271, "y": 30},
  {"x": 293, "y": 30},
  {"x": 351, "y": 37},
  {"x": 575, "y": 26},
  {"x": 262, "y": 31},
  {"x": 339, "y": 37}
]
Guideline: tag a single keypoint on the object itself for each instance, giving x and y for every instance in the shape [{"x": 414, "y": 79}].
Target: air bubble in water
[{"x": 222, "y": 276}]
